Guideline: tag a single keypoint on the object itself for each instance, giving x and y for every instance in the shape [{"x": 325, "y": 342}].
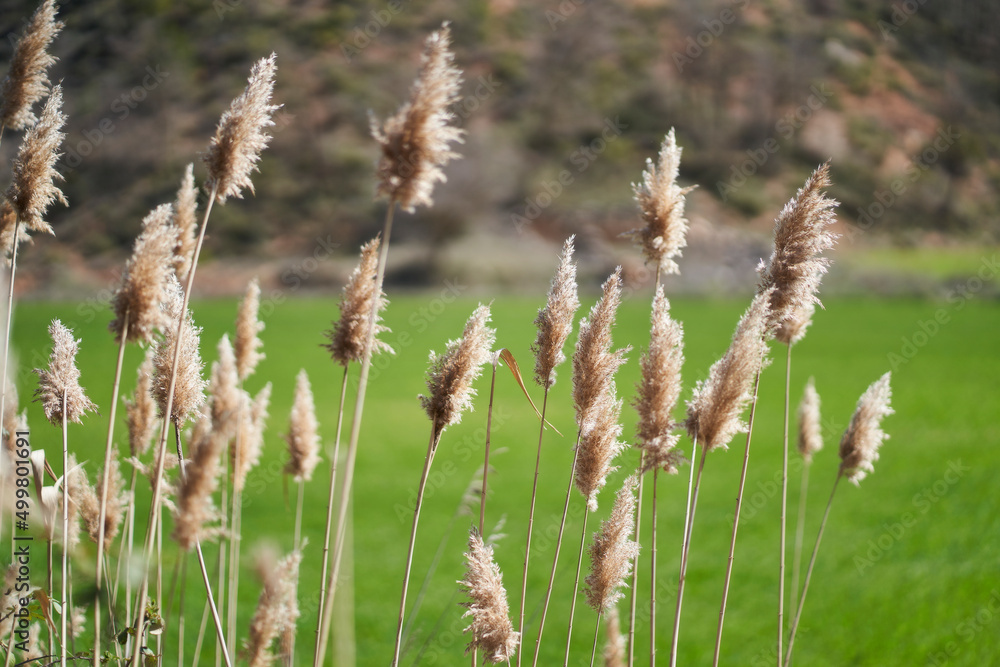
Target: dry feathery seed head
[
  {"x": 185, "y": 222},
  {"x": 303, "y": 439},
  {"x": 661, "y": 202},
  {"x": 415, "y": 141},
  {"x": 277, "y": 608},
  {"x": 810, "y": 429},
  {"x": 194, "y": 498},
  {"x": 451, "y": 374},
  {"x": 235, "y": 149},
  {"x": 189, "y": 387},
  {"x": 140, "y": 412},
  {"x": 555, "y": 320},
  {"x": 27, "y": 81},
  {"x": 614, "y": 648},
  {"x": 660, "y": 387},
  {"x": 714, "y": 411},
  {"x": 32, "y": 187},
  {"x": 864, "y": 435},
  {"x": 612, "y": 552},
  {"x": 491, "y": 628},
  {"x": 249, "y": 442},
  {"x": 62, "y": 376},
  {"x": 10, "y": 420},
  {"x": 248, "y": 325},
  {"x": 144, "y": 281},
  {"x": 594, "y": 364},
  {"x": 801, "y": 233},
  {"x": 348, "y": 335},
  {"x": 224, "y": 391},
  {"x": 599, "y": 446}
]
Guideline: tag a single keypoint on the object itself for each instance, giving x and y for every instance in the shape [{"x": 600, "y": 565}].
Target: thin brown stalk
[
  {"x": 428, "y": 459},
  {"x": 486, "y": 456},
  {"x": 800, "y": 529},
  {"x": 736, "y": 523},
  {"x": 65, "y": 515},
  {"x": 329, "y": 511},
  {"x": 352, "y": 443},
  {"x": 576, "y": 586},
  {"x": 531, "y": 525},
  {"x": 597, "y": 632},
  {"x": 784, "y": 508},
  {"x": 688, "y": 525},
  {"x": 108, "y": 450},
  {"x": 809, "y": 571},
  {"x": 652, "y": 580},
  {"x": 555, "y": 558},
  {"x": 633, "y": 593}
]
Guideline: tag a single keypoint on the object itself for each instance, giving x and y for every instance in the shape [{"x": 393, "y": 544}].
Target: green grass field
[{"x": 908, "y": 569}]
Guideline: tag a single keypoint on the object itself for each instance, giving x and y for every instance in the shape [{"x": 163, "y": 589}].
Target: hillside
[{"x": 563, "y": 104}]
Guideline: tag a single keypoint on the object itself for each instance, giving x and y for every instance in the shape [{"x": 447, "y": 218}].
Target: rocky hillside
[{"x": 563, "y": 103}]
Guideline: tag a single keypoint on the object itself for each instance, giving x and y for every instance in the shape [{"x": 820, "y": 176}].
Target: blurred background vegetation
[{"x": 759, "y": 91}]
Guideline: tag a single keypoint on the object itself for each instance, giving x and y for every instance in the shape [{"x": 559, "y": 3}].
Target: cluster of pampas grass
[{"x": 201, "y": 485}]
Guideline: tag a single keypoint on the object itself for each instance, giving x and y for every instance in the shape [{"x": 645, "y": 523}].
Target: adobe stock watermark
[
  {"x": 362, "y": 36},
  {"x": 581, "y": 159},
  {"x": 122, "y": 106},
  {"x": 927, "y": 329},
  {"x": 785, "y": 128},
  {"x": 886, "y": 199},
  {"x": 967, "y": 630},
  {"x": 922, "y": 502},
  {"x": 695, "y": 45},
  {"x": 901, "y": 13},
  {"x": 562, "y": 12}
]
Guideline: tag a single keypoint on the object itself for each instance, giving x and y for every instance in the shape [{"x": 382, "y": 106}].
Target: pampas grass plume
[
  {"x": 62, "y": 376},
  {"x": 144, "y": 281},
  {"x": 32, "y": 188},
  {"x": 247, "y": 344},
  {"x": 235, "y": 148},
  {"x": 303, "y": 439},
  {"x": 348, "y": 335},
  {"x": 555, "y": 320},
  {"x": 864, "y": 435},
  {"x": 794, "y": 269},
  {"x": 594, "y": 364},
  {"x": 810, "y": 431},
  {"x": 491, "y": 628},
  {"x": 27, "y": 82},
  {"x": 661, "y": 202},
  {"x": 277, "y": 608},
  {"x": 250, "y": 438},
  {"x": 660, "y": 387},
  {"x": 185, "y": 223},
  {"x": 223, "y": 388},
  {"x": 614, "y": 648},
  {"x": 714, "y": 411},
  {"x": 189, "y": 386},
  {"x": 451, "y": 374},
  {"x": 140, "y": 412},
  {"x": 415, "y": 141},
  {"x": 194, "y": 498},
  {"x": 612, "y": 552}
]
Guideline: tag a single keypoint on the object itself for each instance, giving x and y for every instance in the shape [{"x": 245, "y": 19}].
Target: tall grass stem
[
  {"x": 576, "y": 586},
  {"x": 809, "y": 571},
  {"x": 352, "y": 444},
  {"x": 531, "y": 525},
  {"x": 784, "y": 509},
  {"x": 688, "y": 525},
  {"x": 736, "y": 523}
]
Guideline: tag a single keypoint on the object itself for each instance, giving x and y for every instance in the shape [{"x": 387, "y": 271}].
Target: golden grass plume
[
  {"x": 248, "y": 325},
  {"x": 415, "y": 141},
  {"x": 810, "y": 427},
  {"x": 555, "y": 320},
  {"x": 864, "y": 435},
  {"x": 303, "y": 439},
  {"x": 62, "y": 377},
  {"x": 348, "y": 335},
  {"x": 612, "y": 552},
  {"x": 491, "y": 628},
  {"x": 32, "y": 188},
  {"x": 189, "y": 386},
  {"x": 27, "y": 80}
]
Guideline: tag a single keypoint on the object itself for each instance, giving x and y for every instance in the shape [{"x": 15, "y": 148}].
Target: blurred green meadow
[{"x": 907, "y": 573}]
